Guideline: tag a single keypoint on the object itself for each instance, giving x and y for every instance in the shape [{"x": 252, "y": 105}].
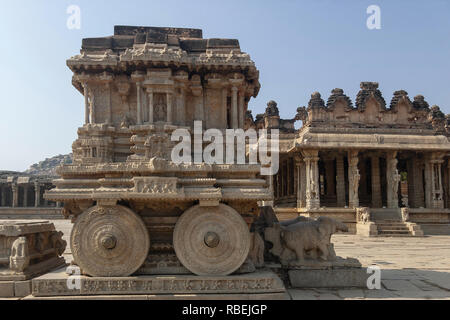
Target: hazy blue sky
[{"x": 299, "y": 47}]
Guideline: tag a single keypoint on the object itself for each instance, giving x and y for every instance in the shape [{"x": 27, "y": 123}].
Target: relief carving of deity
[{"x": 160, "y": 107}]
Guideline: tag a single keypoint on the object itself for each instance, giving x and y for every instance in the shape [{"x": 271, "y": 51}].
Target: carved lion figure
[
  {"x": 291, "y": 242},
  {"x": 363, "y": 214},
  {"x": 405, "y": 214}
]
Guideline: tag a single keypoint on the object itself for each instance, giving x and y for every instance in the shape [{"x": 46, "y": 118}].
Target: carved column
[
  {"x": 234, "y": 107},
  {"x": 15, "y": 191},
  {"x": 224, "y": 108},
  {"x": 169, "y": 107},
  {"x": 181, "y": 107},
  {"x": 108, "y": 90},
  {"x": 3, "y": 201},
  {"x": 340, "y": 181},
  {"x": 393, "y": 179},
  {"x": 139, "y": 103},
  {"x": 92, "y": 106},
  {"x": 311, "y": 158},
  {"x": 448, "y": 182},
  {"x": 303, "y": 184},
  {"x": 150, "y": 105},
  {"x": 353, "y": 179},
  {"x": 376, "y": 185},
  {"x": 86, "y": 102},
  {"x": 37, "y": 197},
  {"x": 241, "y": 109},
  {"x": 299, "y": 164},
  {"x": 25, "y": 195},
  {"x": 437, "y": 199}
]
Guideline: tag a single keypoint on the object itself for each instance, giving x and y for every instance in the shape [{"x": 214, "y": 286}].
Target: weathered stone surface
[
  {"x": 22, "y": 288},
  {"x": 6, "y": 289},
  {"x": 211, "y": 240},
  {"x": 29, "y": 248},
  {"x": 328, "y": 278},
  {"x": 55, "y": 284},
  {"x": 109, "y": 241}
]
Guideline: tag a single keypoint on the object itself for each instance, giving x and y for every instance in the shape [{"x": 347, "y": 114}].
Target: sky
[{"x": 298, "y": 46}]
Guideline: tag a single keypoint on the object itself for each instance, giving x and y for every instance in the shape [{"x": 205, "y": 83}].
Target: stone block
[
  {"x": 22, "y": 288},
  {"x": 366, "y": 229},
  {"x": 329, "y": 278},
  {"x": 6, "y": 289}
]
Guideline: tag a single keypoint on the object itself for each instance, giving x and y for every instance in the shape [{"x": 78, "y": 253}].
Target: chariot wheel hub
[
  {"x": 212, "y": 239},
  {"x": 108, "y": 242}
]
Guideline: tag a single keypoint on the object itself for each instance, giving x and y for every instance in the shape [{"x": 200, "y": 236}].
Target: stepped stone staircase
[
  {"x": 392, "y": 228},
  {"x": 389, "y": 223}
]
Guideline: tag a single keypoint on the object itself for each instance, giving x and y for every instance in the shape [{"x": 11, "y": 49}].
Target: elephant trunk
[{"x": 340, "y": 226}]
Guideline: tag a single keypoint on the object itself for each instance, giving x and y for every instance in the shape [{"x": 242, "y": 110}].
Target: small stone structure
[{"x": 27, "y": 249}]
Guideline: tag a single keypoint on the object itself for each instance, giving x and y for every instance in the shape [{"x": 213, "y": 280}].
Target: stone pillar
[
  {"x": 37, "y": 197},
  {"x": 234, "y": 108},
  {"x": 300, "y": 177},
  {"x": 182, "y": 108},
  {"x": 448, "y": 181},
  {"x": 108, "y": 102},
  {"x": 340, "y": 181},
  {"x": 224, "y": 108},
  {"x": 139, "y": 103},
  {"x": 15, "y": 191},
  {"x": 3, "y": 195},
  {"x": 25, "y": 196},
  {"x": 330, "y": 176},
  {"x": 288, "y": 177},
  {"x": 92, "y": 106},
  {"x": 150, "y": 105},
  {"x": 428, "y": 183},
  {"x": 169, "y": 107},
  {"x": 241, "y": 109},
  {"x": 86, "y": 102},
  {"x": 393, "y": 179},
  {"x": 437, "y": 199},
  {"x": 311, "y": 158},
  {"x": 376, "y": 184},
  {"x": 353, "y": 179}
]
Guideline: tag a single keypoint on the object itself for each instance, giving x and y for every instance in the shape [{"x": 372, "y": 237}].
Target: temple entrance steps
[
  {"x": 389, "y": 223},
  {"x": 391, "y": 228}
]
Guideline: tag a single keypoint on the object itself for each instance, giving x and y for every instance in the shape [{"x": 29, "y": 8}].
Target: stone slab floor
[{"x": 411, "y": 267}]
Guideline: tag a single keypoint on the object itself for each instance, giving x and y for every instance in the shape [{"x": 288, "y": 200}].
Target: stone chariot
[{"x": 134, "y": 210}]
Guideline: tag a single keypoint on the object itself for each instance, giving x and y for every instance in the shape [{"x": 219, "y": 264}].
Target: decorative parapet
[{"x": 369, "y": 90}]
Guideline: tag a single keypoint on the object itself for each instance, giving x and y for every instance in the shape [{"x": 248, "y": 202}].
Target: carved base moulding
[{"x": 55, "y": 284}]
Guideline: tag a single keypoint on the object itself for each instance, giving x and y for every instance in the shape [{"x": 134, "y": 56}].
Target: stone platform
[
  {"x": 329, "y": 278},
  {"x": 258, "y": 285}
]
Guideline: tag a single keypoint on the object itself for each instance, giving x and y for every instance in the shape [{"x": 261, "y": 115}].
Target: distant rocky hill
[{"x": 49, "y": 165}]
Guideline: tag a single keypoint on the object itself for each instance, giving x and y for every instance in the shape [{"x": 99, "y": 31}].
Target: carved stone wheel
[
  {"x": 109, "y": 241},
  {"x": 211, "y": 240}
]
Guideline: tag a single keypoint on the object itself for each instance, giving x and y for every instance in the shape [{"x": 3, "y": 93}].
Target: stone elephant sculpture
[{"x": 291, "y": 242}]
